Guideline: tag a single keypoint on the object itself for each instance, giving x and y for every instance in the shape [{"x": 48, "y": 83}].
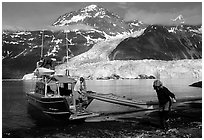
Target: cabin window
[
  {"x": 65, "y": 89},
  {"x": 50, "y": 91},
  {"x": 40, "y": 88},
  {"x": 53, "y": 87}
]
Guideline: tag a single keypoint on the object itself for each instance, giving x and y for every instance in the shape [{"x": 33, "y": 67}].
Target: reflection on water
[{"x": 16, "y": 115}]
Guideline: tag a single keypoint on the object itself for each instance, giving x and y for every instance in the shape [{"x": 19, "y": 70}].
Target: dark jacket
[
  {"x": 47, "y": 62},
  {"x": 164, "y": 95}
]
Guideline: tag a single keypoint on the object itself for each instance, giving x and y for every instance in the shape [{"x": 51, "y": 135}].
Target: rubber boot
[
  {"x": 166, "y": 117},
  {"x": 162, "y": 119}
]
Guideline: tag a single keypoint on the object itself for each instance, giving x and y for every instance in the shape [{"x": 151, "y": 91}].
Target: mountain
[
  {"x": 22, "y": 49},
  {"x": 95, "y": 34},
  {"x": 178, "y": 20},
  {"x": 98, "y": 18},
  {"x": 162, "y": 43},
  {"x": 92, "y": 24}
]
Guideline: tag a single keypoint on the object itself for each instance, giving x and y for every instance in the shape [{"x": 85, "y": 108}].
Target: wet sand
[{"x": 185, "y": 122}]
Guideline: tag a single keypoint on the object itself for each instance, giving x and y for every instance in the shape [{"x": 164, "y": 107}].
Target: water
[
  {"x": 141, "y": 90},
  {"x": 18, "y": 122},
  {"x": 14, "y": 109}
]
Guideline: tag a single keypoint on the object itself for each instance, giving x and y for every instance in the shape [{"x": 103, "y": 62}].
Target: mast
[
  {"x": 67, "y": 48},
  {"x": 42, "y": 45}
]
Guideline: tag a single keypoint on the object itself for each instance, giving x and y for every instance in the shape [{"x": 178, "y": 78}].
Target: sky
[{"x": 41, "y": 15}]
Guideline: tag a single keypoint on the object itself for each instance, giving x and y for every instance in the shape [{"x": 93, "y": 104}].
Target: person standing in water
[{"x": 165, "y": 98}]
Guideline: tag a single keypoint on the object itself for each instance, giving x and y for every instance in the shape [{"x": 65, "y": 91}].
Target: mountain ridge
[{"x": 20, "y": 46}]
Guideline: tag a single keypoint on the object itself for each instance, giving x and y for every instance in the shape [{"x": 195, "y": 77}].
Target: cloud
[
  {"x": 11, "y": 27},
  {"x": 191, "y": 16},
  {"x": 71, "y": 27},
  {"x": 122, "y": 5}
]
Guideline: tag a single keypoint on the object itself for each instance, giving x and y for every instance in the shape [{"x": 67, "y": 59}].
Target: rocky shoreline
[{"x": 185, "y": 122}]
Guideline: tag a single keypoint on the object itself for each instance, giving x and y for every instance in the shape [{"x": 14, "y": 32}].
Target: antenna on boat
[
  {"x": 42, "y": 44},
  {"x": 41, "y": 52},
  {"x": 67, "y": 48}
]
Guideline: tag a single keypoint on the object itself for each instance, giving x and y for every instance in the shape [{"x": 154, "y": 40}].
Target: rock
[
  {"x": 197, "y": 84},
  {"x": 143, "y": 76},
  {"x": 174, "y": 131}
]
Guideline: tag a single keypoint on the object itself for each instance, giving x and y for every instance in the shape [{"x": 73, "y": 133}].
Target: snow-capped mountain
[
  {"x": 161, "y": 43},
  {"x": 107, "y": 38},
  {"x": 179, "y": 20},
  {"x": 23, "y": 48},
  {"x": 98, "y": 18}
]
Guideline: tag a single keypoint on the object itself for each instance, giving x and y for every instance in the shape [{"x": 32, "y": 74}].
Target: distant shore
[
  {"x": 196, "y": 84},
  {"x": 12, "y": 79}
]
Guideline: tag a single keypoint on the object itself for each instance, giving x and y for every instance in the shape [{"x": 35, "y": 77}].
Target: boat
[{"x": 54, "y": 96}]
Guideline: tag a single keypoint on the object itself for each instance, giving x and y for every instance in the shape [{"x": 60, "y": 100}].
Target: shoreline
[
  {"x": 195, "y": 84},
  {"x": 11, "y": 80},
  {"x": 185, "y": 122}
]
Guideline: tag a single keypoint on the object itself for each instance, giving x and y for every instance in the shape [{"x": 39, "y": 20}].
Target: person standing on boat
[
  {"x": 165, "y": 98},
  {"x": 47, "y": 62},
  {"x": 80, "y": 89}
]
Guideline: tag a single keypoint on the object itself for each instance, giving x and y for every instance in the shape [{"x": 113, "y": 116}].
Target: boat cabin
[{"x": 56, "y": 86}]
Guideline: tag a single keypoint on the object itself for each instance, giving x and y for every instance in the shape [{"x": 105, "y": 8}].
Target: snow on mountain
[
  {"x": 100, "y": 51},
  {"x": 179, "y": 20},
  {"x": 93, "y": 33},
  {"x": 91, "y": 11},
  {"x": 95, "y": 64},
  {"x": 23, "y": 33},
  {"x": 158, "y": 43},
  {"x": 185, "y": 28},
  {"x": 198, "y": 31},
  {"x": 96, "y": 17},
  {"x": 21, "y": 53},
  {"x": 6, "y": 54},
  {"x": 62, "y": 21}
]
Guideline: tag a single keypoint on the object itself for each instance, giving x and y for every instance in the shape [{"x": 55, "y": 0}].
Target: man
[
  {"x": 80, "y": 86},
  {"x": 165, "y": 102},
  {"x": 80, "y": 89},
  {"x": 47, "y": 62}
]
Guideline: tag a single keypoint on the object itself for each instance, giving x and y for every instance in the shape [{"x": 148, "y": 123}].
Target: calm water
[{"x": 16, "y": 116}]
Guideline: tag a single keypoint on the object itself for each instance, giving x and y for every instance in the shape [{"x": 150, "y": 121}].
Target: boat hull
[
  {"x": 54, "y": 108},
  {"x": 58, "y": 108}
]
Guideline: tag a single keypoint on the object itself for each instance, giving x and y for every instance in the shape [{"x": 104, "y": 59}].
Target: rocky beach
[{"x": 185, "y": 122}]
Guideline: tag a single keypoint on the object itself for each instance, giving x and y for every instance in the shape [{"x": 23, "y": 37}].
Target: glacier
[
  {"x": 132, "y": 69},
  {"x": 95, "y": 64}
]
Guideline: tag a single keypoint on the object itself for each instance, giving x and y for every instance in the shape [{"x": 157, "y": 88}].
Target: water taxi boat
[{"x": 54, "y": 95}]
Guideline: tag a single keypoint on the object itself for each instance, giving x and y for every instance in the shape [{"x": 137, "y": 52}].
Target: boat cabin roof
[{"x": 63, "y": 79}]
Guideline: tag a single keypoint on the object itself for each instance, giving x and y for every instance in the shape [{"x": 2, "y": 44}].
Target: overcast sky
[{"x": 41, "y": 15}]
